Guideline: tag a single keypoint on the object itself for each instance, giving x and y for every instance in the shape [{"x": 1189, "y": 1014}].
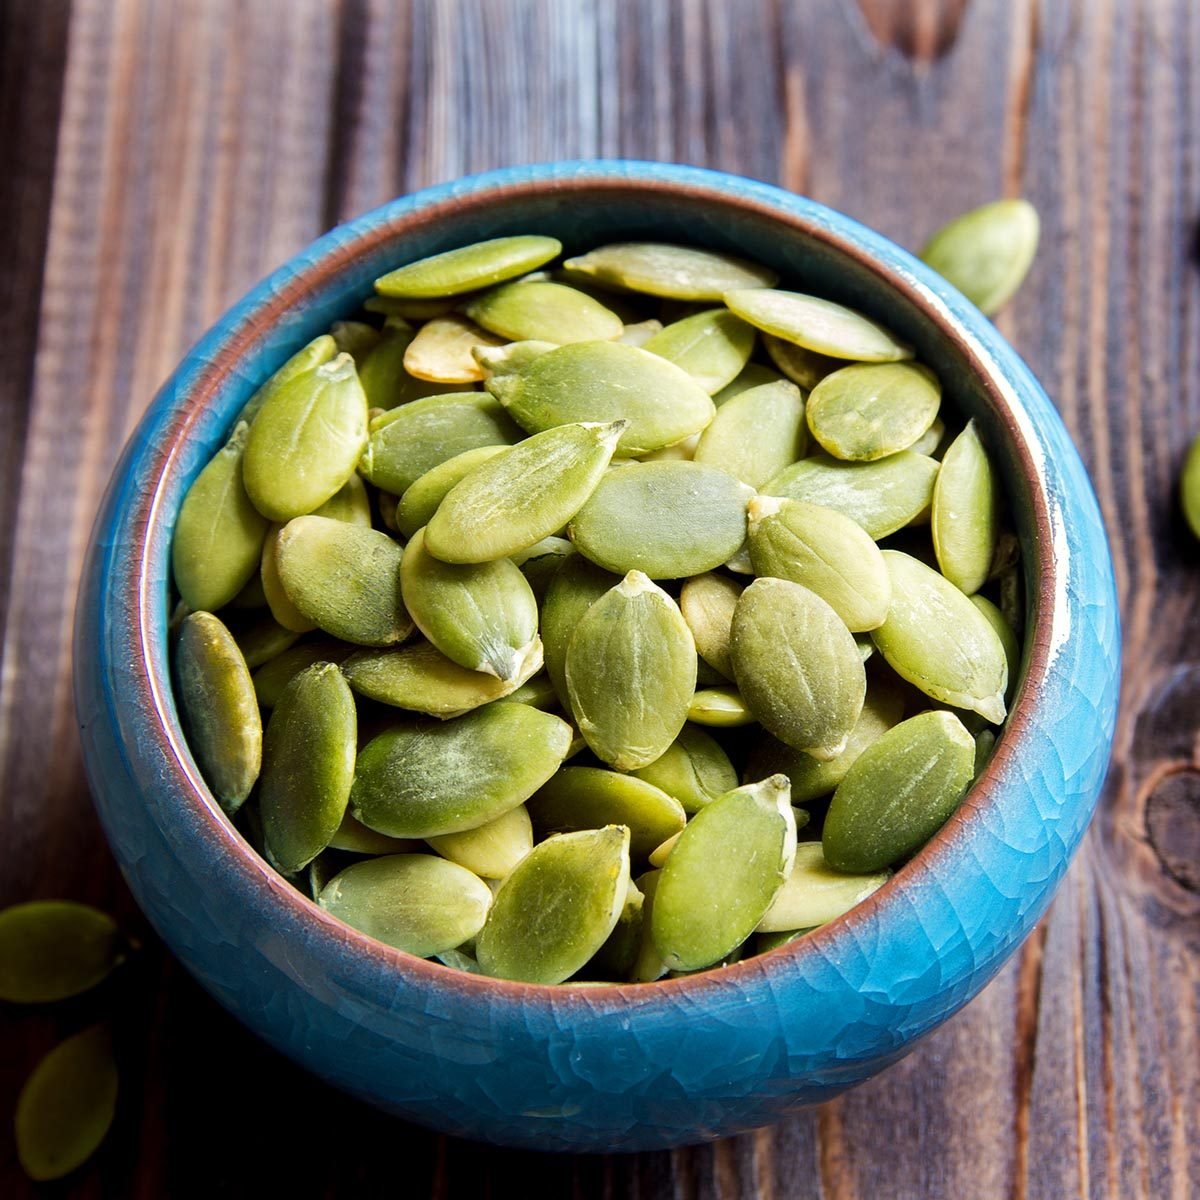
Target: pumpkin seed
[
  {"x": 272, "y": 677},
  {"x": 765, "y": 942},
  {"x": 871, "y": 410},
  {"x": 753, "y": 375},
  {"x": 640, "y": 332},
  {"x": 524, "y": 495},
  {"x": 815, "y": 894},
  {"x": 441, "y": 350},
  {"x": 355, "y": 338},
  {"x": 262, "y": 639},
  {"x": 630, "y": 673},
  {"x": 466, "y": 268},
  {"x": 965, "y": 519},
  {"x": 757, "y": 434},
  {"x": 711, "y": 346},
  {"x": 702, "y": 911},
  {"x": 882, "y": 496},
  {"x": 412, "y": 310},
  {"x": 306, "y": 441},
  {"x": 1008, "y": 639},
  {"x": 812, "y": 779},
  {"x": 409, "y": 441},
  {"x": 53, "y": 949},
  {"x": 344, "y": 579},
  {"x": 805, "y": 368},
  {"x": 677, "y": 272},
  {"x": 606, "y": 381},
  {"x": 589, "y": 797},
  {"x": 219, "y": 708},
  {"x": 1189, "y": 487},
  {"x": 510, "y": 359},
  {"x": 67, "y": 1105},
  {"x": 667, "y": 519},
  {"x": 421, "y": 499},
  {"x": 817, "y": 324},
  {"x": 423, "y": 780},
  {"x": 930, "y": 442},
  {"x": 720, "y": 707},
  {"x": 549, "y": 312},
  {"x": 354, "y": 837},
  {"x": 647, "y": 962},
  {"x": 491, "y": 850},
  {"x": 940, "y": 642},
  {"x": 659, "y": 855},
  {"x": 316, "y": 354},
  {"x": 414, "y": 902},
  {"x": 350, "y": 504},
  {"x": 898, "y": 793},
  {"x": 308, "y": 766},
  {"x": 987, "y": 252},
  {"x": 482, "y": 616},
  {"x": 797, "y": 666},
  {"x": 693, "y": 769},
  {"x": 558, "y": 907},
  {"x": 282, "y": 609},
  {"x": 219, "y": 533},
  {"x": 616, "y": 957},
  {"x": 679, "y": 452},
  {"x": 707, "y": 602},
  {"x": 459, "y": 961},
  {"x": 538, "y": 692},
  {"x": 825, "y": 551},
  {"x": 985, "y": 743},
  {"x": 576, "y": 586}
]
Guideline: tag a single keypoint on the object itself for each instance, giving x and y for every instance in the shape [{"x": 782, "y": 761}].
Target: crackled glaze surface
[{"x": 622, "y": 1067}]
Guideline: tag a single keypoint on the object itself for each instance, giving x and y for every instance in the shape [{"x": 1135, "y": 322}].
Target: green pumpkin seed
[
  {"x": 667, "y": 519},
  {"x": 930, "y": 442},
  {"x": 757, "y": 434},
  {"x": 354, "y": 837},
  {"x": 421, "y": 499},
  {"x": 676, "y": 272},
  {"x": 467, "y": 268},
  {"x": 412, "y": 310},
  {"x": 870, "y": 410},
  {"x": 606, "y": 381},
  {"x": 815, "y": 894},
  {"x": 940, "y": 642},
  {"x": 702, "y": 910},
  {"x": 510, "y": 359},
  {"x": 711, "y": 346},
  {"x": 1189, "y": 487},
  {"x": 707, "y": 602},
  {"x": 825, "y": 551},
  {"x": 308, "y": 766},
  {"x": 631, "y": 673},
  {"x": 306, "y": 441},
  {"x": 517, "y": 499},
  {"x": 805, "y": 368},
  {"x": 812, "y": 779},
  {"x": 355, "y": 338},
  {"x": 423, "y": 780},
  {"x": 67, "y": 1105},
  {"x": 966, "y": 516},
  {"x": 482, "y": 616},
  {"x": 753, "y": 375},
  {"x": 409, "y": 441},
  {"x": 414, "y": 902},
  {"x": 272, "y": 677},
  {"x": 219, "y": 533},
  {"x": 797, "y": 666},
  {"x": 659, "y": 855},
  {"x": 350, "y": 504},
  {"x": 640, "y": 332},
  {"x": 549, "y": 312},
  {"x": 647, "y": 963},
  {"x": 1008, "y": 639},
  {"x": 589, "y": 797},
  {"x": 680, "y": 452},
  {"x": 282, "y": 609},
  {"x": 986, "y": 252},
  {"x": 558, "y": 907},
  {"x": 219, "y": 708},
  {"x": 316, "y": 354},
  {"x": 693, "y": 769},
  {"x": 882, "y": 496},
  {"x": 765, "y": 942},
  {"x": 53, "y": 949},
  {"x": 459, "y": 961},
  {"x": 422, "y": 679},
  {"x": 616, "y": 957},
  {"x": 345, "y": 579},
  {"x": 262, "y": 640},
  {"x": 720, "y": 707},
  {"x": 441, "y": 352},
  {"x": 818, "y": 325},
  {"x": 899, "y": 793},
  {"x": 492, "y": 850},
  {"x": 538, "y": 692},
  {"x": 576, "y": 586}
]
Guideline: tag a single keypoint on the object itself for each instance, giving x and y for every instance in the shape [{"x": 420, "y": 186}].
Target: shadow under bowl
[{"x": 620, "y": 1067}]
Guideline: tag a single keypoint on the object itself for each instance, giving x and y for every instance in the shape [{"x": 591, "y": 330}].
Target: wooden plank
[{"x": 203, "y": 141}]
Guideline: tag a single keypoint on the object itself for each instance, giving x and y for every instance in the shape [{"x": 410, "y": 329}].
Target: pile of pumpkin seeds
[{"x": 600, "y": 619}]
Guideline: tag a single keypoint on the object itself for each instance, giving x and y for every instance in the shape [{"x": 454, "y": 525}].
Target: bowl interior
[{"x": 813, "y": 249}]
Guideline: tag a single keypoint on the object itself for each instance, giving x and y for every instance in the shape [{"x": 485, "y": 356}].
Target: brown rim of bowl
[{"x": 261, "y": 875}]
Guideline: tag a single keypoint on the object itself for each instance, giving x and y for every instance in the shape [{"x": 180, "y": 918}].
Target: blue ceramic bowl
[{"x": 605, "y": 1067}]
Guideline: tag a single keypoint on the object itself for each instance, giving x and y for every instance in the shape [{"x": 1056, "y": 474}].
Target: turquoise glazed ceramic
[{"x": 602, "y": 1068}]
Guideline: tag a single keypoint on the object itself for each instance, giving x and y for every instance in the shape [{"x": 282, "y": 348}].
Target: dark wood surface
[{"x": 161, "y": 155}]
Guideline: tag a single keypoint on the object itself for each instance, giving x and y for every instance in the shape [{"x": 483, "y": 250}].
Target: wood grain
[{"x": 164, "y": 154}]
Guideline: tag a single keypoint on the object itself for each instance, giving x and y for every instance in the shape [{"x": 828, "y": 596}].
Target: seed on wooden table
[{"x": 53, "y": 949}]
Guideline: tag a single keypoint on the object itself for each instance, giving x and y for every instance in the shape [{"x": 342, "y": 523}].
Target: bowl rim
[{"x": 233, "y": 336}]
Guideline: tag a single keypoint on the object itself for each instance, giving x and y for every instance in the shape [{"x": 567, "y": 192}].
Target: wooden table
[{"x": 162, "y": 155}]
